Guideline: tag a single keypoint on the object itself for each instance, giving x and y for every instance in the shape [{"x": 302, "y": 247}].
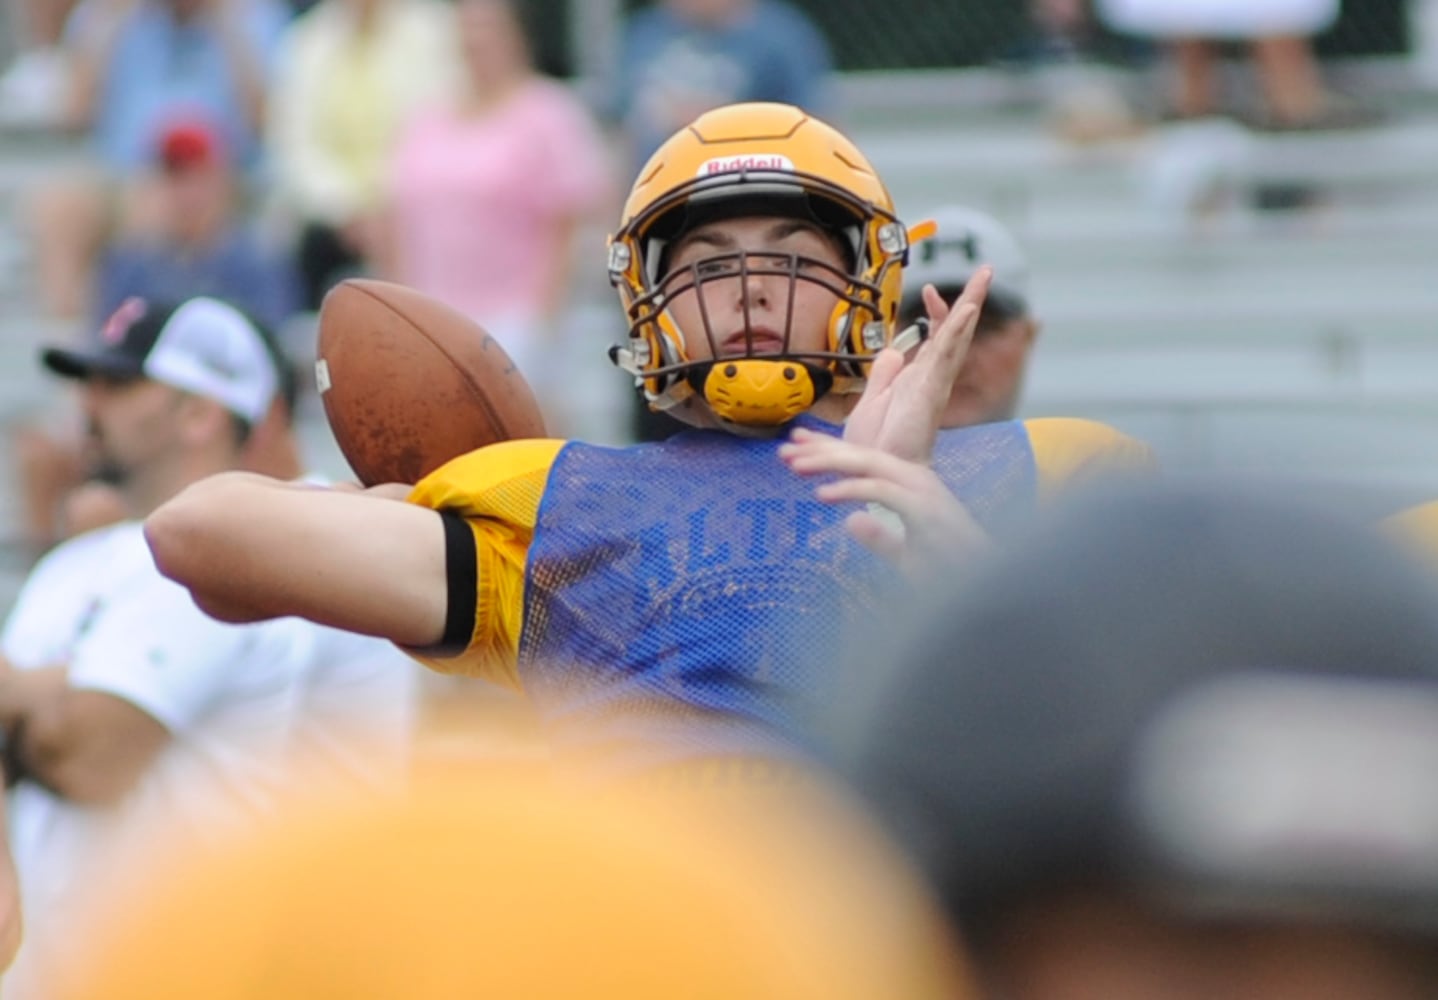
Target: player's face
[
  {"x": 766, "y": 311},
  {"x": 131, "y": 424},
  {"x": 991, "y": 379}
]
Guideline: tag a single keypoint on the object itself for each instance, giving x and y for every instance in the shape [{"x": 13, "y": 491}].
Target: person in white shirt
[
  {"x": 134, "y": 719},
  {"x": 1279, "y": 36}
]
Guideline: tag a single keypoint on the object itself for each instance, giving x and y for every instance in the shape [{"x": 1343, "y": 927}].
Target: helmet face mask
[{"x": 749, "y": 162}]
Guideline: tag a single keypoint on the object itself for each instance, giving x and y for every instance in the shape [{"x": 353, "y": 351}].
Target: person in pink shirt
[{"x": 488, "y": 190}]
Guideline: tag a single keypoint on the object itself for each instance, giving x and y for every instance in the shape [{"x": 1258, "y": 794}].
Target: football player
[{"x": 686, "y": 600}]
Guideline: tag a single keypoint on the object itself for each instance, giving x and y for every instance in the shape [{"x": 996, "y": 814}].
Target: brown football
[{"x": 408, "y": 382}]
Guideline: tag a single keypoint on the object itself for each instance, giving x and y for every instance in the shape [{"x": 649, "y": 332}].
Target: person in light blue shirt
[
  {"x": 139, "y": 66},
  {"x": 683, "y": 57}
]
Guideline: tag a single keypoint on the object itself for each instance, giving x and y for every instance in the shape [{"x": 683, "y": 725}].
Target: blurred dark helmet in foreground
[{"x": 1177, "y": 718}]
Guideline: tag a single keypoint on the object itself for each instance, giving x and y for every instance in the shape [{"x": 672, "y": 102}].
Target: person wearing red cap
[
  {"x": 195, "y": 241},
  {"x": 132, "y": 67}
]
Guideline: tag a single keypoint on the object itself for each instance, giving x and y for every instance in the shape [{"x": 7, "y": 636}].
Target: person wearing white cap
[
  {"x": 135, "y": 721},
  {"x": 991, "y": 380}
]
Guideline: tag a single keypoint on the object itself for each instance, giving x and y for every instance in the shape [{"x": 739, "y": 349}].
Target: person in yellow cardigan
[{"x": 348, "y": 75}]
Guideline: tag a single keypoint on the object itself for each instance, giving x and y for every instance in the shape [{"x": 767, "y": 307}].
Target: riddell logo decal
[{"x": 751, "y": 161}]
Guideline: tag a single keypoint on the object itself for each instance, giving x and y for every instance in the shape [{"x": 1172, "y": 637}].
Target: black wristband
[{"x": 461, "y": 570}]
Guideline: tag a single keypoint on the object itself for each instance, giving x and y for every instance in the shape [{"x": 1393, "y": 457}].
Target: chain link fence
[
  {"x": 936, "y": 34},
  {"x": 925, "y": 34}
]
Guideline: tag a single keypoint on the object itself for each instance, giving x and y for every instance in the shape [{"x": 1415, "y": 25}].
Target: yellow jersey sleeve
[
  {"x": 496, "y": 490},
  {"x": 1069, "y": 452}
]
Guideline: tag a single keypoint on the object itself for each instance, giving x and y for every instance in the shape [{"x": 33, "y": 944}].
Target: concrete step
[
  {"x": 1357, "y": 303},
  {"x": 1025, "y": 174},
  {"x": 1381, "y": 456},
  {"x": 1336, "y": 371}
]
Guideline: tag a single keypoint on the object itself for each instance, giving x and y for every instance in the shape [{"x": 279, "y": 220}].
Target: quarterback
[{"x": 688, "y": 598}]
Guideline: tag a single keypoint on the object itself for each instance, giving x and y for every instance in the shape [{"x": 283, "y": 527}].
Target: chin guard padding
[{"x": 760, "y": 392}]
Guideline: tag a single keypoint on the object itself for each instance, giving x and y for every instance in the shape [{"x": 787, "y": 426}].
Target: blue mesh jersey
[{"x": 693, "y": 595}]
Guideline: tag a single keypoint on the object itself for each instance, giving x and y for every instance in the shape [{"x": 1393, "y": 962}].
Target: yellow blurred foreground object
[{"x": 496, "y": 888}]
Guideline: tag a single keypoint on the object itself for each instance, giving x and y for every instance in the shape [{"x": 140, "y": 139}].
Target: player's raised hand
[
  {"x": 900, "y": 409},
  {"x": 913, "y": 521}
]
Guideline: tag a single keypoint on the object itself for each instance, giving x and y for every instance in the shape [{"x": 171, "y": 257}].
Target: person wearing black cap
[
  {"x": 132, "y": 716},
  {"x": 62, "y": 496},
  {"x": 1178, "y": 743}
]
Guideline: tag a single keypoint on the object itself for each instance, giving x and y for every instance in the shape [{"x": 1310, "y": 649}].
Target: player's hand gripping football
[{"x": 900, "y": 409}]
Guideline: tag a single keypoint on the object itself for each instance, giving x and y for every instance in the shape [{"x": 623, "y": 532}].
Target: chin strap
[{"x": 632, "y": 361}]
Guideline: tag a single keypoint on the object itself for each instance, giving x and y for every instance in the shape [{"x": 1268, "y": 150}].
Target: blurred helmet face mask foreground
[{"x": 759, "y": 262}]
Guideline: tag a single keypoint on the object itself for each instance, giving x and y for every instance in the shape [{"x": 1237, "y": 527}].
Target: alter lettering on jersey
[
  {"x": 811, "y": 521},
  {"x": 770, "y": 530},
  {"x": 704, "y": 553},
  {"x": 757, "y": 512},
  {"x": 747, "y": 161}
]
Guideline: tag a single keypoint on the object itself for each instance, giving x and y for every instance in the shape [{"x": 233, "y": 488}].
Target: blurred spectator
[
  {"x": 479, "y": 887},
  {"x": 350, "y": 72},
  {"x": 136, "y": 66},
  {"x": 991, "y": 379},
  {"x": 60, "y": 500},
  {"x": 1062, "y": 26},
  {"x": 1083, "y": 101},
  {"x": 1187, "y": 751},
  {"x": 487, "y": 190},
  {"x": 680, "y": 58},
  {"x": 139, "y": 64},
  {"x": 1279, "y": 35},
  {"x": 137, "y": 720},
  {"x": 32, "y": 88},
  {"x": 199, "y": 244},
  {"x": 11, "y": 909}
]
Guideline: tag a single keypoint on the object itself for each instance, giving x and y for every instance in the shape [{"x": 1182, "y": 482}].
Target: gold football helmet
[{"x": 756, "y": 160}]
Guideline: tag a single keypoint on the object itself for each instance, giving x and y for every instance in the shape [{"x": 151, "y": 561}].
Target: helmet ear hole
[
  {"x": 841, "y": 323},
  {"x": 667, "y": 344},
  {"x": 858, "y": 340}
]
